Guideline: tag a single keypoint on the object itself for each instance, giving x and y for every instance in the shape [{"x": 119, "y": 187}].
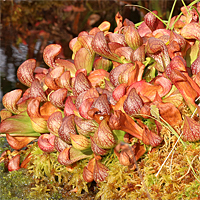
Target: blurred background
[{"x": 27, "y": 27}]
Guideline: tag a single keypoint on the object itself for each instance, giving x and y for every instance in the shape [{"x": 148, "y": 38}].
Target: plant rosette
[{"x": 113, "y": 100}]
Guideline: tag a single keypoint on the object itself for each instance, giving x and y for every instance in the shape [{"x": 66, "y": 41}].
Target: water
[{"x": 11, "y": 58}]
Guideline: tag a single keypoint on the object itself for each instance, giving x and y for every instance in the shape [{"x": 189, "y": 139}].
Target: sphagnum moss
[
  {"x": 175, "y": 180},
  {"x": 53, "y": 179}
]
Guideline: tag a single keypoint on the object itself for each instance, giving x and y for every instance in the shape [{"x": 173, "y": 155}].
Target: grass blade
[
  {"x": 163, "y": 21},
  {"x": 170, "y": 16},
  {"x": 185, "y": 7},
  {"x": 191, "y": 4}
]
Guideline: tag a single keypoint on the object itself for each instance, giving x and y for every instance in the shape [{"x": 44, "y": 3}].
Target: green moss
[
  {"x": 3, "y": 145},
  {"x": 51, "y": 180},
  {"x": 15, "y": 184},
  {"x": 175, "y": 180}
]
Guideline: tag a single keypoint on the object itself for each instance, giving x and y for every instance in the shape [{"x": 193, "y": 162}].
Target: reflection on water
[{"x": 10, "y": 59}]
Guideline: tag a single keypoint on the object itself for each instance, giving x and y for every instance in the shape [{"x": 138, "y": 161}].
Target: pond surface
[{"x": 8, "y": 64}]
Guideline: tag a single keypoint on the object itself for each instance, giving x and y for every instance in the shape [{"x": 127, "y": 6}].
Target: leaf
[
  {"x": 191, "y": 31},
  {"x": 58, "y": 97},
  {"x": 119, "y": 91},
  {"x": 125, "y": 51},
  {"x": 60, "y": 145},
  {"x": 68, "y": 66},
  {"x": 86, "y": 42},
  {"x": 85, "y": 126},
  {"x": 89, "y": 170},
  {"x": 4, "y": 114},
  {"x": 103, "y": 137},
  {"x": 130, "y": 73},
  {"x": 71, "y": 155},
  {"x": 104, "y": 26},
  {"x": 150, "y": 138},
  {"x": 169, "y": 113},
  {"x": 81, "y": 84},
  {"x": 80, "y": 142},
  {"x": 91, "y": 93},
  {"x": 102, "y": 63},
  {"x": 132, "y": 37},
  {"x": 122, "y": 121},
  {"x": 57, "y": 72},
  {"x": 50, "y": 53},
  {"x": 64, "y": 81},
  {"x": 174, "y": 97},
  {"x": 84, "y": 54},
  {"x": 50, "y": 82},
  {"x": 54, "y": 122},
  {"x": 67, "y": 127},
  {"x": 191, "y": 129},
  {"x": 14, "y": 163},
  {"x": 13, "y": 126},
  {"x": 133, "y": 103},
  {"x": 115, "y": 73},
  {"x": 119, "y": 135},
  {"x": 25, "y": 162},
  {"x": 158, "y": 85},
  {"x": 47, "y": 109},
  {"x": 102, "y": 105},
  {"x": 157, "y": 49},
  {"x": 39, "y": 124},
  {"x": 36, "y": 91},
  {"x": 155, "y": 111},
  {"x": 10, "y": 100},
  {"x": 151, "y": 20},
  {"x": 100, "y": 171},
  {"x": 96, "y": 149},
  {"x": 25, "y": 72},
  {"x": 70, "y": 108},
  {"x": 18, "y": 143},
  {"x": 100, "y": 46},
  {"x": 117, "y": 38},
  {"x": 98, "y": 76},
  {"x": 192, "y": 54},
  {"x": 185, "y": 88},
  {"x": 138, "y": 54},
  {"x": 46, "y": 142},
  {"x": 150, "y": 12},
  {"x": 118, "y": 19}
]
